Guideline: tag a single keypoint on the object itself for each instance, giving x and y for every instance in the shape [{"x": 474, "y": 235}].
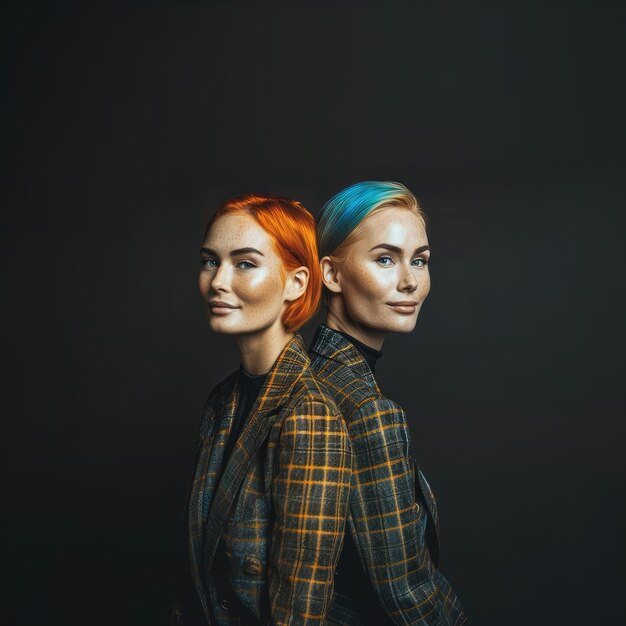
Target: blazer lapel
[
  {"x": 336, "y": 348},
  {"x": 272, "y": 397},
  {"x": 217, "y": 422},
  {"x": 333, "y": 346},
  {"x": 224, "y": 419},
  {"x": 424, "y": 495}
]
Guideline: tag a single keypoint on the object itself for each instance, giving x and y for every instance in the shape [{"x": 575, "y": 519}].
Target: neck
[
  {"x": 260, "y": 350},
  {"x": 337, "y": 318}
]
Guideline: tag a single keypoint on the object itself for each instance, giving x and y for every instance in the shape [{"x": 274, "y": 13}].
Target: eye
[
  {"x": 419, "y": 262},
  {"x": 208, "y": 263},
  {"x": 385, "y": 260},
  {"x": 245, "y": 265}
]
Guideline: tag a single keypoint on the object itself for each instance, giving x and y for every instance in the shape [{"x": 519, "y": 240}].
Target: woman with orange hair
[{"x": 269, "y": 497}]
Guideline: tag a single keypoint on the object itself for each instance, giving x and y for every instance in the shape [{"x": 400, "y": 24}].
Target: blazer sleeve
[
  {"x": 310, "y": 492},
  {"x": 387, "y": 524}
]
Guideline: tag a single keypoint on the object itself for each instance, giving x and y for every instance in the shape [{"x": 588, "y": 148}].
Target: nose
[
  {"x": 408, "y": 280},
  {"x": 221, "y": 279}
]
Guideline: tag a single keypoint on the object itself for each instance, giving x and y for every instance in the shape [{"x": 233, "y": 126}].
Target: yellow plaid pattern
[
  {"x": 281, "y": 502},
  {"x": 387, "y": 525}
]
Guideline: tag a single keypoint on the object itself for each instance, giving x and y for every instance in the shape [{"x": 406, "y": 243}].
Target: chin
[
  {"x": 402, "y": 326},
  {"x": 218, "y": 326},
  {"x": 391, "y": 326},
  {"x": 402, "y": 329}
]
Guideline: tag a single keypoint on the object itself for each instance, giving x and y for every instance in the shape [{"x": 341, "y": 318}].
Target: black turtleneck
[
  {"x": 369, "y": 354},
  {"x": 249, "y": 388}
]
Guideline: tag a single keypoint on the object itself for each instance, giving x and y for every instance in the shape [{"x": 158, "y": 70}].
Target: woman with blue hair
[{"x": 374, "y": 260}]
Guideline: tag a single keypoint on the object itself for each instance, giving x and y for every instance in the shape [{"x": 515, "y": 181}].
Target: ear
[
  {"x": 330, "y": 274},
  {"x": 296, "y": 283}
]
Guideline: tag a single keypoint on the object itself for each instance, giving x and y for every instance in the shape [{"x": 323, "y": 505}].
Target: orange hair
[{"x": 292, "y": 229}]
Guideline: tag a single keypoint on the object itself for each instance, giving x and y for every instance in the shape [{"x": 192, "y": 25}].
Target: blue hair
[{"x": 347, "y": 209}]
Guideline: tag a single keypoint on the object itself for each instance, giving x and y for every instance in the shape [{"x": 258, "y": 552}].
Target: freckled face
[
  {"x": 384, "y": 277},
  {"x": 240, "y": 279}
]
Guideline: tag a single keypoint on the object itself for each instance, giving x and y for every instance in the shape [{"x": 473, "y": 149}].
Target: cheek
[
  {"x": 425, "y": 286},
  {"x": 262, "y": 289},
  {"x": 203, "y": 283},
  {"x": 370, "y": 284},
  {"x": 365, "y": 288}
]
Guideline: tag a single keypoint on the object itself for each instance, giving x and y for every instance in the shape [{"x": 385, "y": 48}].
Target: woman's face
[
  {"x": 384, "y": 276},
  {"x": 241, "y": 280}
]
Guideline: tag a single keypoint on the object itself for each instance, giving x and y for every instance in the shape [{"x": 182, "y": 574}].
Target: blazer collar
[
  {"x": 274, "y": 394},
  {"x": 281, "y": 379},
  {"x": 330, "y": 344}
]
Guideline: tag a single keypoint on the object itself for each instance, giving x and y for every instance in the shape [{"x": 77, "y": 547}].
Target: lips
[
  {"x": 221, "y": 308},
  {"x": 403, "y": 306}
]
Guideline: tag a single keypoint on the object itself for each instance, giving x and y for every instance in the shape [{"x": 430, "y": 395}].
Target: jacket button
[
  {"x": 225, "y": 604},
  {"x": 417, "y": 507},
  {"x": 253, "y": 566}
]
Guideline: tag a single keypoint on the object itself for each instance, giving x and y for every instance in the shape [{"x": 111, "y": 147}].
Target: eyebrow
[
  {"x": 236, "y": 252},
  {"x": 388, "y": 246}
]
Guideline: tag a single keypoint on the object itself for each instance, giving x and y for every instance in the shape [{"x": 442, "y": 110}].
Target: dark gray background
[{"x": 125, "y": 126}]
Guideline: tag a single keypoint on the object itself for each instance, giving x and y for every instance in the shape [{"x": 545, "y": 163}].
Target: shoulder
[
  {"x": 376, "y": 407},
  {"x": 311, "y": 409},
  {"x": 356, "y": 397},
  {"x": 309, "y": 388},
  {"x": 348, "y": 389},
  {"x": 378, "y": 422}
]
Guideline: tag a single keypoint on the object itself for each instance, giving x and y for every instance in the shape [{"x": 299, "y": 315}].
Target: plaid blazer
[
  {"x": 387, "y": 524},
  {"x": 280, "y": 505}
]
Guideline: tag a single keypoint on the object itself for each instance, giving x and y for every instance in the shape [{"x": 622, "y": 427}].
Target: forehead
[
  {"x": 398, "y": 227},
  {"x": 237, "y": 230}
]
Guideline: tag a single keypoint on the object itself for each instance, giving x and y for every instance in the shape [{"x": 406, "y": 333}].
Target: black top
[
  {"x": 249, "y": 387},
  {"x": 369, "y": 354}
]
